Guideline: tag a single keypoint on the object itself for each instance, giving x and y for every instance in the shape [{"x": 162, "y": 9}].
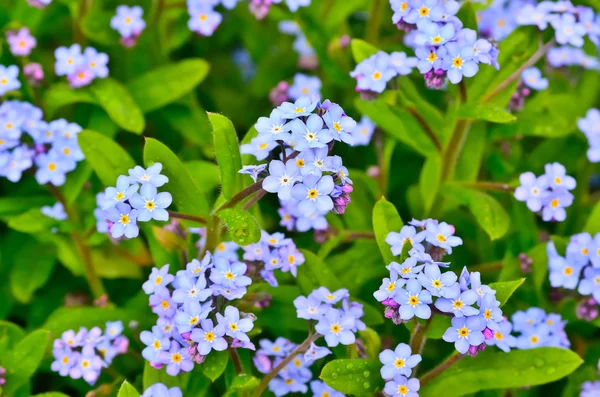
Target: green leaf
[
  {"x": 187, "y": 196},
  {"x": 244, "y": 382},
  {"x": 314, "y": 273},
  {"x": 152, "y": 376},
  {"x": 127, "y": 390},
  {"x": 355, "y": 377},
  {"x": 32, "y": 269},
  {"x": 106, "y": 157},
  {"x": 243, "y": 228},
  {"x": 10, "y": 334},
  {"x": 361, "y": 50},
  {"x": 429, "y": 181},
  {"x": 592, "y": 225},
  {"x": 487, "y": 211},
  {"x": 24, "y": 359},
  {"x": 168, "y": 83},
  {"x": 437, "y": 327},
  {"x": 95, "y": 25},
  {"x": 61, "y": 94},
  {"x": 505, "y": 289},
  {"x": 32, "y": 221},
  {"x": 228, "y": 155},
  {"x": 467, "y": 16},
  {"x": 385, "y": 219},
  {"x": 205, "y": 174},
  {"x": 215, "y": 364},
  {"x": 116, "y": 100},
  {"x": 372, "y": 342},
  {"x": 493, "y": 369},
  {"x": 52, "y": 394},
  {"x": 479, "y": 111},
  {"x": 14, "y": 205}
]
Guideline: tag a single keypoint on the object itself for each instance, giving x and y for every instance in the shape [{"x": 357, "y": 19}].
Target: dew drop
[
  {"x": 366, "y": 385},
  {"x": 334, "y": 375},
  {"x": 366, "y": 374},
  {"x": 550, "y": 370},
  {"x": 350, "y": 366}
]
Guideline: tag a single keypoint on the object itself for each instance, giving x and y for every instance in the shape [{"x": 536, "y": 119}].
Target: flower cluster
[
  {"x": 121, "y": 207},
  {"x": 579, "y": 268},
  {"x": 571, "y": 23},
  {"x": 308, "y": 58},
  {"x": 303, "y": 85},
  {"x": 129, "y": 23},
  {"x": 590, "y": 389},
  {"x": 57, "y": 211},
  {"x": 83, "y": 354},
  {"x": 590, "y": 126},
  {"x": 293, "y": 378},
  {"x": 81, "y": 68},
  {"x": 9, "y": 79},
  {"x": 273, "y": 251},
  {"x": 20, "y": 42},
  {"x": 548, "y": 193},
  {"x": 160, "y": 390},
  {"x": 26, "y": 139},
  {"x": 396, "y": 370},
  {"x": 570, "y": 56},
  {"x": 308, "y": 181},
  {"x": 188, "y": 326},
  {"x": 538, "y": 329},
  {"x": 336, "y": 324},
  {"x": 373, "y": 73},
  {"x": 531, "y": 79}
]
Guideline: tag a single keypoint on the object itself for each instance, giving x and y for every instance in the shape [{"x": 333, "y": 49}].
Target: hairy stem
[
  {"x": 429, "y": 376},
  {"x": 241, "y": 195},
  {"x": 300, "y": 349},
  {"x": 426, "y": 128},
  {"x": 417, "y": 337},
  {"x": 517, "y": 74},
  {"x": 235, "y": 358},
  {"x": 180, "y": 215}
]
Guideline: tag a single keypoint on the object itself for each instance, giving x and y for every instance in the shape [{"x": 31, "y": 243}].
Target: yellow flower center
[
  {"x": 158, "y": 280},
  {"x": 289, "y": 381},
  {"x": 464, "y": 332},
  {"x": 413, "y": 300},
  {"x": 457, "y": 62},
  {"x": 229, "y": 276},
  {"x": 209, "y": 336},
  {"x": 337, "y": 126},
  {"x": 194, "y": 320},
  {"x": 534, "y": 339},
  {"x": 498, "y": 335},
  {"x": 156, "y": 344},
  {"x": 406, "y": 270},
  {"x": 584, "y": 251},
  {"x": 391, "y": 287},
  {"x": 568, "y": 270},
  {"x": 304, "y": 90},
  {"x": 262, "y": 146},
  {"x": 52, "y": 166},
  {"x": 298, "y": 110},
  {"x": 457, "y": 304},
  {"x": 403, "y": 6},
  {"x": 203, "y": 17},
  {"x": 487, "y": 314},
  {"x": 436, "y": 40},
  {"x": 312, "y": 193},
  {"x": 65, "y": 360},
  {"x": 402, "y": 389},
  {"x": 85, "y": 363},
  {"x": 150, "y": 205},
  {"x": 399, "y": 363},
  {"x": 300, "y": 163},
  {"x": 233, "y": 327},
  {"x": 376, "y": 75},
  {"x": 501, "y": 22},
  {"x": 554, "y": 203},
  {"x": 423, "y": 11},
  {"x": 66, "y": 151},
  {"x": 127, "y": 20},
  {"x": 335, "y": 328},
  {"x": 164, "y": 304},
  {"x": 437, "y": 283},
  {"x": 441, "y": 238}
]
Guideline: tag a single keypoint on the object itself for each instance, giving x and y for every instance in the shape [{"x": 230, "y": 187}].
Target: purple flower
[
  {"x": 531, "y": 190},
  {"x": 313, "y": 194},
  {"x": 68, "y": 60},
  {"x": 502, "y": 337},
  {"x": 315, "y": 353},
  {"x": 389, "y": 287},
  {"x": 400, "y": 361},
  {"x": 124, "y": 221},
  {"x": 230, "y": 274},
  {"x": 177, "y": 359},
  {"x": 64, "y": 360},
  {"x": 189, "y": 316},
  {"x": 336, "y": 327},
  {"x": 209, "y": 337},
  {"x": 204, "y": 20},
  {"x": 150, "y": 175},
  {"x": 310, "y": 134},
  {"x": 320, "y": 389},
  {"x": 21, "y": 43},
  {"x": 435, "y": 282},
  {"x": 191, "y": 289},
  {"x": 151, "y": 204},
  {"x": 465, "y": 332},
  {"x": 340, "y": 125},
  {"x": 252, "y": 170},
  {"x": 309, "y": 308},
  {"x": 158, "y": 278},
  {"x": 400, "y": 386},
  {"x": 281, "y": 178},
  {"x": 442, "y": 235},
  {"x": 128, "y": 21},
  {"x": 96, "y": 62},
  {"x": 235, "y": 326},
  {"x": 123, "y": 191},
  {"x": 413, "y": 301}
]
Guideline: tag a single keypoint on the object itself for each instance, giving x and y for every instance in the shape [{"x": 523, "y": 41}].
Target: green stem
[
  {"x": 426, "y": 128},
  {"x": 453, "y": 150},
  {"x": 502, "y": 187},
  {"x": 304, "y": 346},
  {"x": 180, "y": 215},
  {"x": 237, "y": 363},
  {"x": 374, "y": 21},
  {"x": 429, "y": 376},
  {"x": 241, "y": 196}
]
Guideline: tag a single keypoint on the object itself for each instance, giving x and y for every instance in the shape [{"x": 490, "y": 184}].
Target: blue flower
[
  {"x": 177, "y": 359},
  {"x": 408, "y": 269},
  {"x": 532, "y": 78},
  {"x": 309, "y": 308},
  {"x": 230, "y": 274},
  {"x": 459, "y": 62},
  {"x": 490, "y": 311},
  {"x": 336, "y": 328},
  {"x": 526, "y": 321},
  {"x": 96, "y": 62},
  {"x": 556, "y": 177},
  {"x": 432, "y": 34},
  {"x": 480, "y": 289},
  {"x": 465, "y": 332},
  {"x": 430, "y": 58},
  {"x": 204, "y": 20},
  {"x": 388, "y": 288},
  {"x": 590, "y": 389},
  {"x": 191, "y": 289},
  {"x": 273, "y": 128},
  {"x": 124, "y": 221},
  {"x": 562, "y": 273},
  {"x": 191, "y": 314},
  {"x": 315, "y": 353},
  {"x": 281, "y": 178},
  {"x": 150, "y": 175},
  {"x": 579, "y": 249},
  {"x": 158, "y": 278},
  {"x": 196, "y": 268},
  {"x": 531, "y": 190},
  {"x": 313, "y": 194},
  {"x": 253, "y": 170},
  {"x": 151, "y": 204},
  {"x": 52, "y": 168},
  {"x": 303, "y": 106},
  {"x": 228, "y": 293},
  {"x": 330, "y": 298},
  {"x": 291, "y": 258},
  {"x": 400, "y": 361},
  {"x": 340, "y": 125},
  {"x": 365, "y": 127},
  {"x": 57, "y": 211},
  {"x": 413, "y": 301},
  {"x": 64, "y": 360},
  {"x": 156, "y": 342},
  {"x": 459, "y": 305},
  {"x": 162, "y": 304},
  {"x": 310, "y": 134},
  {"x": 280, "y": 348},
  {"x": 502, "y": 337},
  {"x": 235, "y": 326},
  {"x": 554, "y": 205},
  {"x": 536, "y": 336},
  {"x": 568, "y": 30},
  {"x": 400, "y": 386},
  {"x": 293, "y": 5},
  {"x": 319, "y": 389},
  {"x": 435, "y": 282},
  {"x": 442, "y": 235},
  {"x": 401, "y": 9},
  {"x": 334, "y": 164},
  {"x": 124, "y": 191},
  {"x": 113, "y": 329},
  {"x": 88, "y": 367},
  {"x": 128, "y": 21},
  {"x": 160, "y": 390},
  {"x": 305, "y": 86},
  {"x": 209, "y": 337},
  {"x": 9, "y": 79},
  {"x": 288, "y": 382},
  {"x": 537, "y": 14},
  {"x": 420, "y": 10},
  {"x": 373, "y": 73},
  {"x": 408, "y": 234},
  {"x": 68, "y": 60},
  {"x": 402, "y": 63}
]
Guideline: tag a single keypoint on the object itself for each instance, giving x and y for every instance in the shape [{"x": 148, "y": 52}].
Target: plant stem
[
  {"x": 241, "y": 195},
  {"x": 426, "y": 128},
  {"x": 254, "y": 199},
  {"x": 429, "y": 376},
  {"x": 453, "y": 150},
  {"x": 94, "y": 282},
  {"x": 374, "y": 21},
  {"x": 180, "y": 215},
  {"x": 300, "y": 349},
  {"x": 359, "y": 235},
  {"x": 503, "y": 187},
  {"x": 235, "y": 358},
  {"x": 462, "y": 91},
  {"x": 517, "y": 74},
  {"x": 417, "y": 338}
]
